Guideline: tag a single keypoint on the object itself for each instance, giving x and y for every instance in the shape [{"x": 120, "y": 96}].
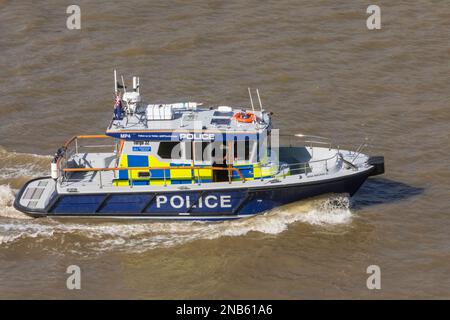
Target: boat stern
[{"x": 35, "y": 196}]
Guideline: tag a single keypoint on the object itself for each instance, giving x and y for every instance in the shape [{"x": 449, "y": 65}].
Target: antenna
[
  {"x": 125, "y": 91},
  {"x": 115, "y": 82},
  {"x": 251, "y": 100},
  {"x": 135, "y": 83},
  {"x": 260, "y": 105},
  {"x": 123, "y": 85}
]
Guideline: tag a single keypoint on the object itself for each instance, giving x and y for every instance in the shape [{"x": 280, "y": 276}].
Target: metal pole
[
  {"x": 251, "y": 100},
  {"x": 260, "y": 105},
  {"x": 123, "y": 84},
  {"x": 115, "y": 82}
]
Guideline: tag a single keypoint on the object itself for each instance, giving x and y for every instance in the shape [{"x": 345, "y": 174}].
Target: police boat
[{"x": 185, "y": 161}]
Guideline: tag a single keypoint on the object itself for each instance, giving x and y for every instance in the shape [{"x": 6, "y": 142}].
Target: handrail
[
  {"x": 314, "y": 140},
  {"x": 309, "y": 139},
  {"x": 293, "y": 167},
  {"x": 75, "y": 138},
  {"x": 155, "y": 168},
  {"x": 300, "y": 165},
  {"x": 94, "y": 136},
  {"x": 314, "y": 161}
]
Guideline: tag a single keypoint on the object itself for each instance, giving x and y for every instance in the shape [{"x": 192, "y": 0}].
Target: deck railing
[
  {"x": 195, "y": 169},
  {"x": 311, "y": 141},
  {"x": 73, "y": 147},
  {"x": 306, "y": 140},
  {"x": 313, "y": 167}
]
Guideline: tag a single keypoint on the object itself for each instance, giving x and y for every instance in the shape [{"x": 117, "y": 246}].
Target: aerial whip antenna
[
  {"x": 123, "y": 85},
  {"x": 251, "y": 100},
  {"x": 115, "y": 82},
  {"x": 136, "y": 84},
  {"x": 259, "y": 99}
]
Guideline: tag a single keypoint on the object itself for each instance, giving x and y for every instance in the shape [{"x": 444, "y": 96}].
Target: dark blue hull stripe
[
  {"x": 220, "y": 203},
  {"x": 226, "y": 203}
]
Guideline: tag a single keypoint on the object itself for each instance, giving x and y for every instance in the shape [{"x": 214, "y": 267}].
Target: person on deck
[{"x": 118, "y": 108}]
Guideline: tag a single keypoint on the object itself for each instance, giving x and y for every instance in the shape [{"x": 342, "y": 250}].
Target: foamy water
[
  {"x": 6, "y": 200},
  {"x": 22, "y": 165}
]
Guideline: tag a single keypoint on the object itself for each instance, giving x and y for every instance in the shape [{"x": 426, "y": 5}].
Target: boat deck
[{"x": 90, "y": 178}]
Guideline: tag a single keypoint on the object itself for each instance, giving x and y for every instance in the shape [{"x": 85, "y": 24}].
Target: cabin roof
[{"x": 191, "y": 120}]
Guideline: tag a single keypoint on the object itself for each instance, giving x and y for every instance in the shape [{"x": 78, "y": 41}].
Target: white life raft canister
[{"x": 54, "y": 170}]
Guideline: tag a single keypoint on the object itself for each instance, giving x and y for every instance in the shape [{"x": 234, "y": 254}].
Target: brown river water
[{"x": 318, "y": 68}]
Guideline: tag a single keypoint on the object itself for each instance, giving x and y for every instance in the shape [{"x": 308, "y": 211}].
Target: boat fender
[
  {"x": 54, "y": 170},
  {"x": 378, "y": 165}
]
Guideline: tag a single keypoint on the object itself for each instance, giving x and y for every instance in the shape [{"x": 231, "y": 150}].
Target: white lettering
[
  {"x": 210, "y": 201},
  {"x": 180, "y": 202},
  {"x": 197, "y": 136},
  {"x": 225, "y": 201},
  {"x": 187, "y": 310},
  {"x": 160, "y": 200},
  {"x": 208, "y": 204}
]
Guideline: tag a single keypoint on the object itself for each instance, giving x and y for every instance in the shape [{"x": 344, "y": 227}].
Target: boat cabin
[{"x": 185, "y": 143}]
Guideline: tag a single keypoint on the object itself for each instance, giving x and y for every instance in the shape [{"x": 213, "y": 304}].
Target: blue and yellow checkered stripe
[
  {"x": 158, "y": 176},
  {"x": 254, "y": 171},
  {"x": 179, "y": 175}
]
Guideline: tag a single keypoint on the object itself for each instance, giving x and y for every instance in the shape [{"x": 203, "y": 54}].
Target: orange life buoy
[{"x": 246, "y": 117}]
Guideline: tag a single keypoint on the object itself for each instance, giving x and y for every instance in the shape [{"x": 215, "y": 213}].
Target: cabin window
[
  {"x": 188, "y": 154},
  {"x": 258, "y": 150},
  {"x": 242, "y": 149},
  {"x": 143, "y": 174},
  {"x": 169, "y": 150},
  {"x": 200, "y": 153},
  {"x": 247, "y": 148}
]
